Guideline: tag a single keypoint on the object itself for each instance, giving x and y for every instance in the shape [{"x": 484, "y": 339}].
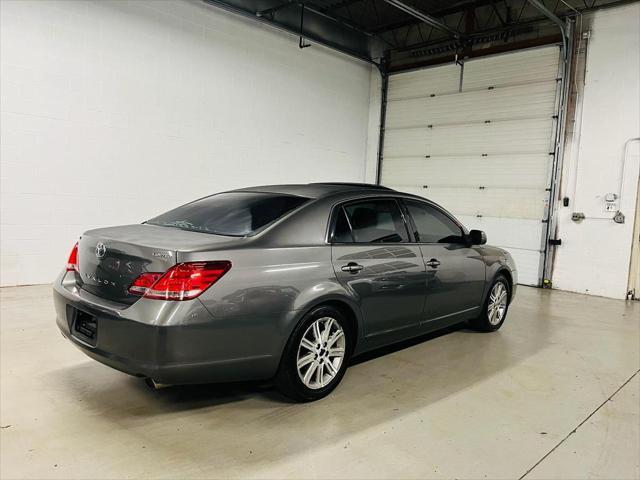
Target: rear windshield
[{"x": 234, "y": 214}]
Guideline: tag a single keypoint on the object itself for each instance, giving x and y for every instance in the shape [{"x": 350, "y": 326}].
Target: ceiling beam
[
  {"x": 492, "y": 50},
  {"x": 451, "y": 9},
  {"x": 338, "y": 19},
  {"x": 561, "y": 25},
  {"x": 478, "y": 35},
  {"x": 549, "y": 14},
  {"x": 339, "y": 5},
  {"x": 272, "y": 10},
  {"x": 428, "y": 19},
  {"x": 318, "y": 27}
]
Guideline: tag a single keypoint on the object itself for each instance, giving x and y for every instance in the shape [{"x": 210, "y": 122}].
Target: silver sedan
[{"x": 286, "y": 282}]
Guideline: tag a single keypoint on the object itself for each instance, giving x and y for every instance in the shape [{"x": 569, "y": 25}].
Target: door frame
[
  {"x": 633, "y": 281},
  {"x": 381, "y": 337},
  {"x": 452, "y": 318}
]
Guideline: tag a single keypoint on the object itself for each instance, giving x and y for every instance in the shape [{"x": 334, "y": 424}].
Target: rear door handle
[
  {"x": 433, "y": 263},
  {"x": 351, "y": 267}
]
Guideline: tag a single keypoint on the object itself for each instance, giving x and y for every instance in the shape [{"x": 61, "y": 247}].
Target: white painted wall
[
  {"x": 373, "y": 131},
  {"x": 594, "y": 256},
  {"x": 113, "y": 112}
]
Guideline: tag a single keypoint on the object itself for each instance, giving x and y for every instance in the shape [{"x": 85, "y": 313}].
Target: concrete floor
[{"x": 554, "y": 394}]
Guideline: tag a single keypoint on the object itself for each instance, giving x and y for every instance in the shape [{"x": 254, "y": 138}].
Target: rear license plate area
[{"x": 85, "y": 327}]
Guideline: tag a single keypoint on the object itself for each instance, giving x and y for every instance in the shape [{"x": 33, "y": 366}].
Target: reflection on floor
[{"x": 463, "y": 405}]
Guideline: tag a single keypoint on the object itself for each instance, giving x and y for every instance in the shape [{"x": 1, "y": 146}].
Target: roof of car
[{"x": 318, "y": 190}]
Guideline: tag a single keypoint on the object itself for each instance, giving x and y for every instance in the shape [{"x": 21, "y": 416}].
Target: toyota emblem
[{"x": 101, "y": 250}]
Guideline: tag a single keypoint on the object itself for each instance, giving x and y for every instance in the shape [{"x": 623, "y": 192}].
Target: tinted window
[
  {"x": 433, "y": 226},
  {"x": 342, "y": 232},
  {"x": 376, "y": 221},
  {"x": 233, "y": 213}
]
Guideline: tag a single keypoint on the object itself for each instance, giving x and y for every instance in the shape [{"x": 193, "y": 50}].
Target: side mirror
[{"x": 477, "y": 237}]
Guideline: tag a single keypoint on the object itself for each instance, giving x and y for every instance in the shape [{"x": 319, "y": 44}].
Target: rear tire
[
  {"x": 496, "y": 306},
  {"x": 315, "y": 357}
]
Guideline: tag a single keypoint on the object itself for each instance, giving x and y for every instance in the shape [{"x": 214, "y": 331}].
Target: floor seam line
[{"x": 579, "y": 425}]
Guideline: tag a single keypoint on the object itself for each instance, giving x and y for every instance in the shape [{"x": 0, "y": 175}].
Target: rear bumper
[
  {"x": 181, "y": 373},
  {"x": 178, "y": 343}
]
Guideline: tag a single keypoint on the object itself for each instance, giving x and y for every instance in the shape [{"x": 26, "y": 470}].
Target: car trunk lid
[{"x": 110, "y": 259}]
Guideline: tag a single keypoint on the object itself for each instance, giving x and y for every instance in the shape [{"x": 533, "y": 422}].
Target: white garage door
[{"x": 483, "y": 151}]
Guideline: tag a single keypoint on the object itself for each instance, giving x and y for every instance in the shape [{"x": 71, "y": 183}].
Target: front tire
[
  {"x": 495, "y": 307},
  {"x": 316, "y": 355}
]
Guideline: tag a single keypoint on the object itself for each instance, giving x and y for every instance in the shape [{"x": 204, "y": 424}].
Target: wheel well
[
  {"x": 349, "y": 314},
  {"x": 504, "y": 272}
]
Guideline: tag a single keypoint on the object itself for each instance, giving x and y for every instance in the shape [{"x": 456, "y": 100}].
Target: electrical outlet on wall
[{"x": 610, "y": 204}]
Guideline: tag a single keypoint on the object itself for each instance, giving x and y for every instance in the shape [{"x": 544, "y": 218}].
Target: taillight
[
  {"x": 144, "y": 282},
  {"x": 181, "y": 282},
  {"x": 72, "y": 263}
]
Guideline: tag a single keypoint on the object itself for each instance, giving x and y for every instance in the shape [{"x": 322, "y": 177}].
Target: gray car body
[{"x": 238, "y": 328}]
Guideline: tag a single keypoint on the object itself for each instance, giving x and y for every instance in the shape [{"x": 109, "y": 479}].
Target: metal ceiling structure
[{"x": 399, "y": 35}]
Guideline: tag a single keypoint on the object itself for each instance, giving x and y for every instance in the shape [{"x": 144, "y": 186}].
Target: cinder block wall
[{"x": 115, "y": 111}]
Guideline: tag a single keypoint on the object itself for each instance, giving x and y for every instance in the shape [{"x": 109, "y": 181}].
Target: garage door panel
[
  {"x": 485, "y": 152},
  {"x": 507, "y": 232},
  {"x": 475, "y": 106},
  {"x": 496, "y": 202},
  {"x": 527, "y": 264},
  {"x": 472, "y": 171},
  {"x": 422, "y": 83},
  {"x": 409, "y": 142},
  {"x": 490, "y": 138},
  {"x": 515, "y": 68}
]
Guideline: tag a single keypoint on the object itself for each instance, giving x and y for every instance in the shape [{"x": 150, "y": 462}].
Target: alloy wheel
[
  {"x": 321, "y": 353},
  {"x": 497, "y": 303}
]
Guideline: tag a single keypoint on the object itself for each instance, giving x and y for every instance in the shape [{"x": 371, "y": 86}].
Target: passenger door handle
[
  {"x": 432, "y": 263},
  {"x": 351, "y": 267}
]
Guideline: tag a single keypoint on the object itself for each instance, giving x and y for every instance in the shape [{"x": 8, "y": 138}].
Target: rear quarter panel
[{"x": 268, "y": 290}]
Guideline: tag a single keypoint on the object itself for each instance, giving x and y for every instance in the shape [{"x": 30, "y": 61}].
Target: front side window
[
  {"x": 233, "y": 213},
  {"x": 371, "y": 221},
  {"x": 433, "y": 225}
]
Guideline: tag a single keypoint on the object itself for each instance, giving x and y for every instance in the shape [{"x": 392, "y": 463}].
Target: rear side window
[
  {"x": 372, "y": 221},
  {"x": 432, "y": 225},
  {"x": 342, "y": 232},
  {"x": 233, "y": 213}
]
